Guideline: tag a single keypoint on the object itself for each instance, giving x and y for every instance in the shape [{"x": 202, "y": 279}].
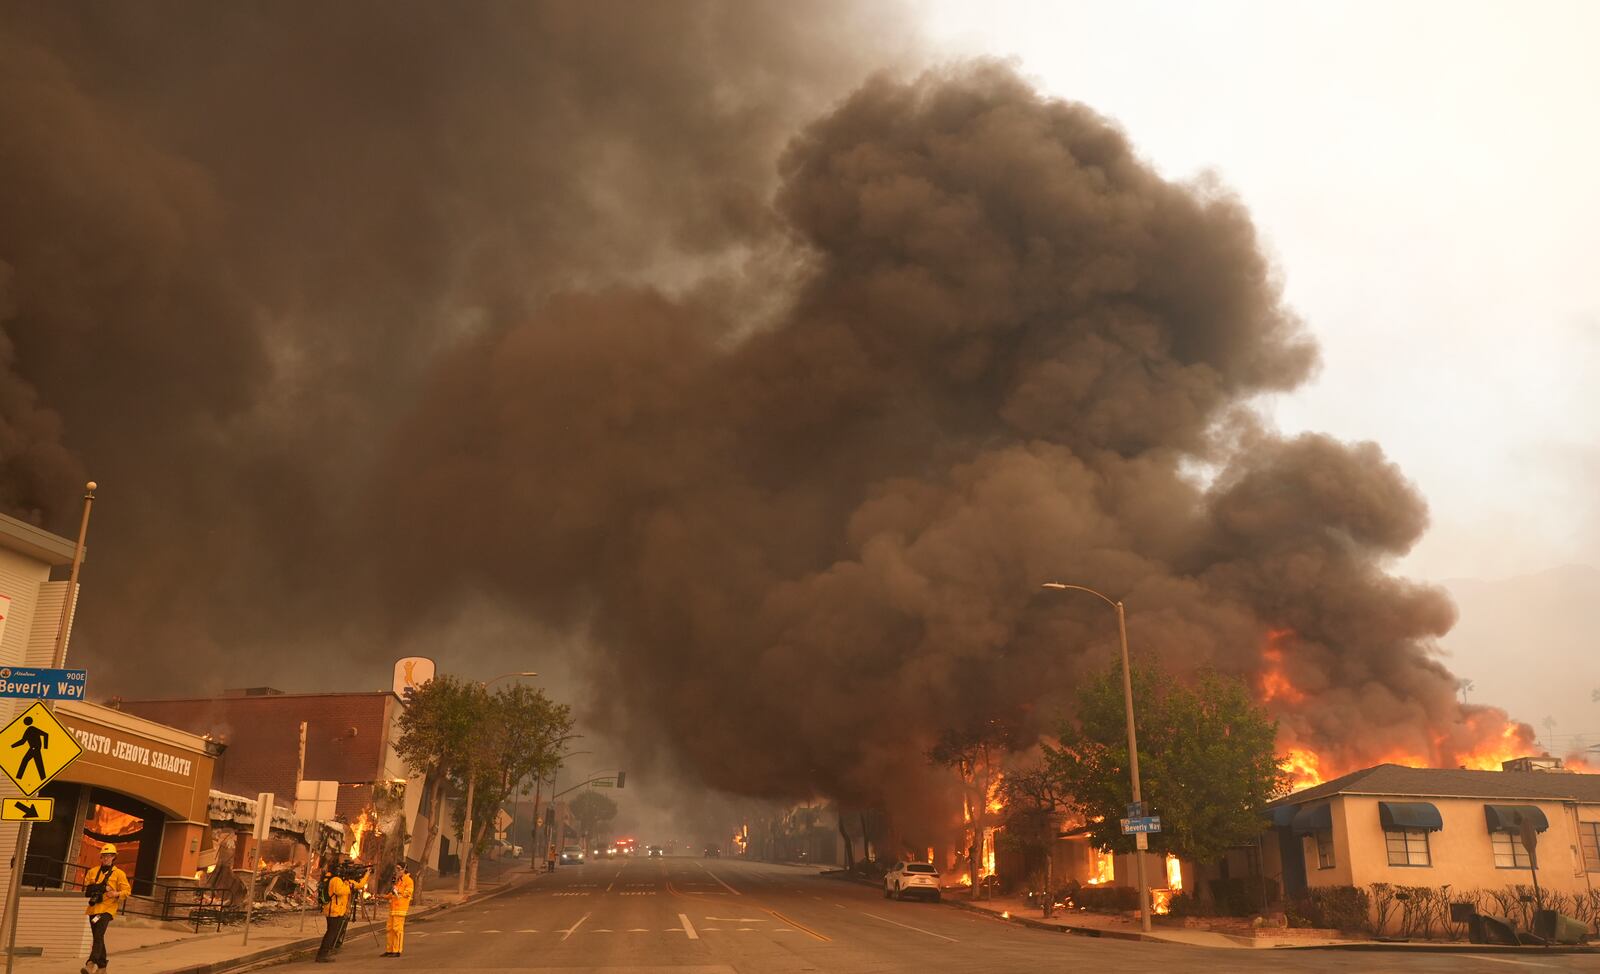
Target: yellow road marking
[{"x": 799, "y": 926}]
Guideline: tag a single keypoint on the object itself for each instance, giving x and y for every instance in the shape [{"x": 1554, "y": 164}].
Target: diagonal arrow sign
[{"x": 28, "y": 811}]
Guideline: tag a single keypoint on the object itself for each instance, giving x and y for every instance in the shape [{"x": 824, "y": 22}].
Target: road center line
[
  {"x": 909, "y": 927},
  {"x": 688, "y": 927},
  {"x": 799, "y": 926},
  {"x": 568, "y": 932},
  {"x": 1502, "y": 960},
  {"x": 718, "y": 879}
]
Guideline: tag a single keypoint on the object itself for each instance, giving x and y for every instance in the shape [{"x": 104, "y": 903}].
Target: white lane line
[
  {"x": 527, "y": 931},
  {"x": 494, "y": 931},
  {"x": 449, "y": 932},
  {"x": 638, "y": 930},
  {"x": 568, "y": 932},
  {"x": 909, "y": 927},
  {"x": 1502, "y": 960},
  {"x": 688, "y": 927},
  {"x": 718, "y": 879}
]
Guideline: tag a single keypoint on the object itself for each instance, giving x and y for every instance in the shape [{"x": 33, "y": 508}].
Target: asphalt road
[{"x": 721, "y": 916}]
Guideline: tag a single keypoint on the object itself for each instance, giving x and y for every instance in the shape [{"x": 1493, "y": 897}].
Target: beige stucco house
[{"x": 1433, "y": 827}]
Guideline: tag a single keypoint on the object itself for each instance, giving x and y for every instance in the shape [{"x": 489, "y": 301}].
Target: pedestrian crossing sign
[{"x": 37, "y": 747}]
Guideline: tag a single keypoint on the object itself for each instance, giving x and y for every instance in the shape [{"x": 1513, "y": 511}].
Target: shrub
[
  {"x": 1330, "y": 907},
  {"x": 1186, "y": 904},
  {"x": 1109, "y": 899}
]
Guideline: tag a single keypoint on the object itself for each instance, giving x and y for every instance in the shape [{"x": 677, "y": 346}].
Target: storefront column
[{"x": 180, "y": 853}]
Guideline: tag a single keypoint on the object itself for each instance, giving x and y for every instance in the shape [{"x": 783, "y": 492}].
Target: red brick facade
[{"x": 345, "y": 740}]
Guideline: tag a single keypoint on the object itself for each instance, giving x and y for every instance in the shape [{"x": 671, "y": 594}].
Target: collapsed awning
[
  {"x": 1508, "y": 818},
  {"x": 1410, "y": 815},
  {"x": 1315, "y": 817}
]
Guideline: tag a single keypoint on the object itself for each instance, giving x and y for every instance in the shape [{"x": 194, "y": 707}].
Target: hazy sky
[{"x": 1425, "y": 176}]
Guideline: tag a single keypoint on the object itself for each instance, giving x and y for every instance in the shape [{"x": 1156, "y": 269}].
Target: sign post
[
  {"x": 1530, "y": 841},
  {"x": 263, "y": 829},
  {"x": 58, "y": 659}
]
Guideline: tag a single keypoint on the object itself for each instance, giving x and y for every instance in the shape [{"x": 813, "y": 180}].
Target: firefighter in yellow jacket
[
  {"x": 334, "y": 894},
  {"x": 107, "y": 889},
  {"x": 399, "y": 905}
]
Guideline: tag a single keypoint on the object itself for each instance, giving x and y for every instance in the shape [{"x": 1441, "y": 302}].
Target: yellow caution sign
[
  {"x": 37, "y": 747},
  {"x": 28, "y": 810}
]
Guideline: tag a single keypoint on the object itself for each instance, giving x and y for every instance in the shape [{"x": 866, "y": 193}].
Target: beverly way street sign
[
  {"x": 41, "y": 684},
  {"x": 1134, "y": 826},
  {"x": 41, "y": 747},
  {"x": 28, "y": 810}
]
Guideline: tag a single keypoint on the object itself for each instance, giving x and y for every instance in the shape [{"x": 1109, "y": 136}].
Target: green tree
[
  {"x": 592, "y": 810},
  {"x": 1206, "y": 761},
  {"x": 436, "y": 732},
  {"x": 519, "y": 733}
]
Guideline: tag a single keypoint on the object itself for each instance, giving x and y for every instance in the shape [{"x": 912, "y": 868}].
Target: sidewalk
[
  {"x": 1016, "y": 910},
  {"x": 146, "y": 947}
]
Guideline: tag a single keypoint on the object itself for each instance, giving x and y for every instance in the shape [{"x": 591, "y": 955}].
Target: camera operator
[
  {"x": 107, "y": 888},
  {"x": 339, "y": 880}
]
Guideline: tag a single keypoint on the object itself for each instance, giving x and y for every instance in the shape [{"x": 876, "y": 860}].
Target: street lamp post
[
  {"x": 1133, "y": 739},
  {"x": 550, "y": 831},
  {"x": 472, "y": 781}
]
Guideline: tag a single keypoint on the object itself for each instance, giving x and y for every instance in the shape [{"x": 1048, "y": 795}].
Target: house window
[
  {"x": 1325, "y": 849},
  {"x": 1589, "y": 836},
  {"x": 1509, "y": 852},
  {"x": 1407, "y": 847}
]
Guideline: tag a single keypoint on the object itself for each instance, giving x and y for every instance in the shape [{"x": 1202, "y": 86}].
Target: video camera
[
  {"x": 349, "y": 870},
  {"x": 94, "y": 892}
]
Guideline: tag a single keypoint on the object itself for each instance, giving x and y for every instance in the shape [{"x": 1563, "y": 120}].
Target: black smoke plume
[{"x": 371, "y": 314}]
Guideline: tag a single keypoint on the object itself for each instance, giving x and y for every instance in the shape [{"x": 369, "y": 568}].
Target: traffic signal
[{"x": 622, "y": 776}]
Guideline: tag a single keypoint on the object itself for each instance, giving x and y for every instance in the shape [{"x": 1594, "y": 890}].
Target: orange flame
[
  {"x": 365, "y": 825},
  {"x": 1275, "y": 683},
  {"x": 1304, "y": 768},
  {"x": 1102, "y": 867},
  {"x": 996, "y": 803},
  {"x": 1174, "y": 873}
]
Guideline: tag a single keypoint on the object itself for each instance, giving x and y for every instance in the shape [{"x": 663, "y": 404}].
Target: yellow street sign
[
  {"x": 38, "y": 747},
  {"x": 28, "y": 810}
]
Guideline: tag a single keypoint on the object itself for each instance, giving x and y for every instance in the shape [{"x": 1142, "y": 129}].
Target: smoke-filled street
[
  {"x": 720, "y": 917},
  {"x": 1133, "y": 462}
]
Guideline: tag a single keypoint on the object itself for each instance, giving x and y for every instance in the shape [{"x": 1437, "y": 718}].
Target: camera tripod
[{"x": 354, "y": 915}]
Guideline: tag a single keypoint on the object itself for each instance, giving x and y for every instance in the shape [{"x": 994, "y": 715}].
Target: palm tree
[{"x": 1465, "y": 685}]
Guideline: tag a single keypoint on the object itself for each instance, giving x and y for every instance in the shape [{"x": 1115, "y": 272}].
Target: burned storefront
[{"x": 139, "y": 785}]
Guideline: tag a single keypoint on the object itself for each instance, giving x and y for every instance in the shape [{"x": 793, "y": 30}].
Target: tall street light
[
  {"x": 1133, "y": 740},
  {"x": 472, "y": 781}
]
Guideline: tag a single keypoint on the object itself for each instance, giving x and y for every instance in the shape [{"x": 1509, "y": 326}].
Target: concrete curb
[
  {"x": 1378, "y": 946},
  {"x": 1058, "y": 927},
  {"x": 294, "y": 950}
]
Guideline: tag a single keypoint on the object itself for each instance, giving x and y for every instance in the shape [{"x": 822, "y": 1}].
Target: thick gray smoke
[
  {"x": 624, "y": 317},
  {"x": 234, "y": 237},
  {"x": 808, "y": 549}
]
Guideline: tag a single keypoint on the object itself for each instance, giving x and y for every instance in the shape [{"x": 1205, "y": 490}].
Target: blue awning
[
  {"x": 1315, "y": 817},
  {"x": 1281, "y": 816},
  {"x": 1410, "y": 815},
  {"x": 1508, "y": 818}
]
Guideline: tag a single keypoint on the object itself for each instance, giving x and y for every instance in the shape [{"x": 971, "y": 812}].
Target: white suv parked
[{"x": 912, "y": 879}]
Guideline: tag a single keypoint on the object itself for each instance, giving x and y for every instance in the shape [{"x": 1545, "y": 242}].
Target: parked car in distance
[
  {"x": 911, "y": 879},
  {"x": 713, "y": 851},
  {"x": 654, "y": 852}
]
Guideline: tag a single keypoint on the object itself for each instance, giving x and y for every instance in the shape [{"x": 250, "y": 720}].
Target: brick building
[{"x": 275, "y": 741}]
